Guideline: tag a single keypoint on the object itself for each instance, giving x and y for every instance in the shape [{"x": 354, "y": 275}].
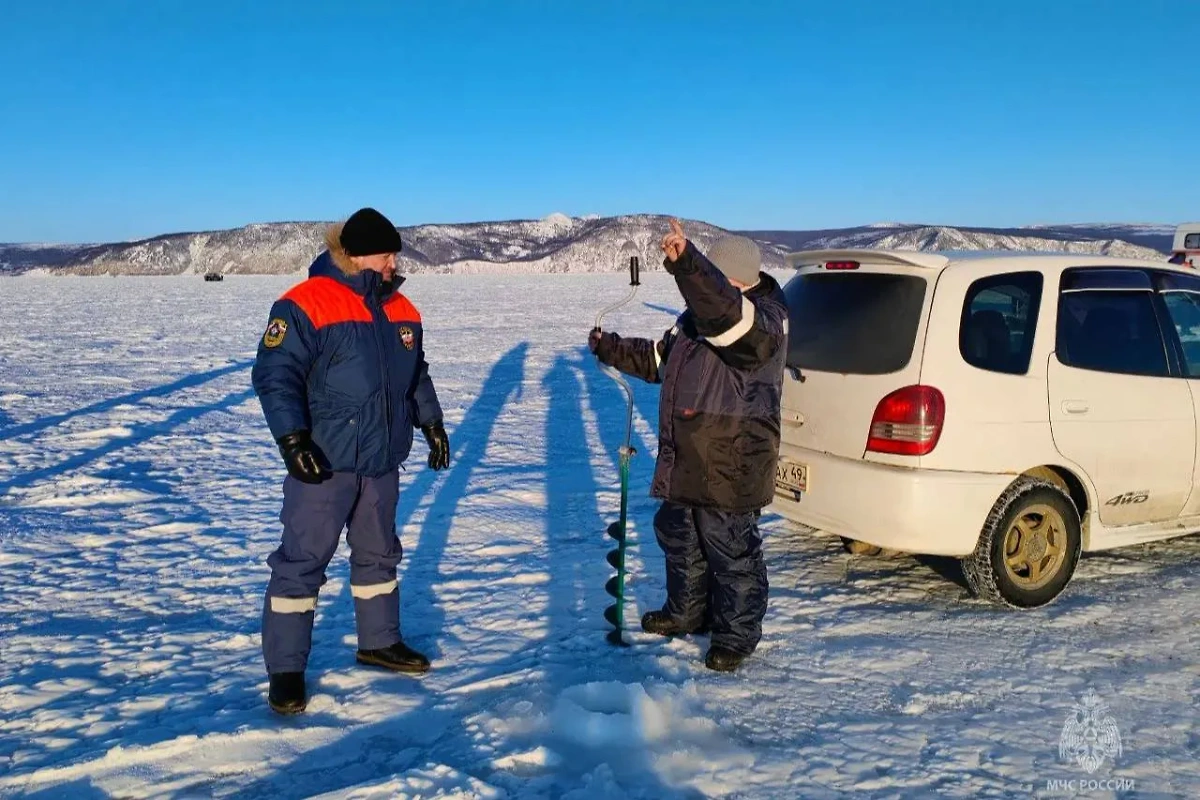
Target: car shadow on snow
[
  {"x": 947, "y": 568},
  {"x": 797, "y": 554},
  {"x": 913, "y": 581}
]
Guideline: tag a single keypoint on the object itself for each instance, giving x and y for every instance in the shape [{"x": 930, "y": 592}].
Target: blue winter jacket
[
  {"x": 343, "y": 357},
  {"x": 721, "y": 369}
]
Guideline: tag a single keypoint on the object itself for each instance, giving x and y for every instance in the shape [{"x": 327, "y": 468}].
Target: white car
[{"x": 1007, "y": 410}]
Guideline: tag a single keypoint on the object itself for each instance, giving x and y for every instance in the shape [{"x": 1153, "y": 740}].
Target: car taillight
[
  {"x": 908, "y": 422},
  {"x": 841, "y": 265}
]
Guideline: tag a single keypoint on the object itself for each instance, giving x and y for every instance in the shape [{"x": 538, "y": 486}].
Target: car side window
[
  {"x": 1107, "y": 323},
  {"x": 999, "y": 319},
  {"x": 1181, "y": 296}
]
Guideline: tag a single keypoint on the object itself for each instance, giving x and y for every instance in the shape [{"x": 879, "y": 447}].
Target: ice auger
[{"x": 615, "y": 586}]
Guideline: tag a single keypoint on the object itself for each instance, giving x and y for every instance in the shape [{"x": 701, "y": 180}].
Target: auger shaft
[{"x": 615, "y": 586}]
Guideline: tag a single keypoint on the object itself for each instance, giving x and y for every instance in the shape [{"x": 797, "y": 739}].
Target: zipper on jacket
[{"x": 380, "y": 326}]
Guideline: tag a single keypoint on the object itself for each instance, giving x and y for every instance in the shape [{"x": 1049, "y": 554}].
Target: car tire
[
  {"x": 857, "y": 548},
  {"x": 1028, "y": 548}
]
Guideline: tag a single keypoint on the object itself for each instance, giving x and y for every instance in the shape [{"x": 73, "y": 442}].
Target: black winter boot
[
  {"x": 664, "y": 624},
  {"x": 287, "y": 694},
  {"x": 722, "y": 659},
  {"x": 398, "y": 657}
]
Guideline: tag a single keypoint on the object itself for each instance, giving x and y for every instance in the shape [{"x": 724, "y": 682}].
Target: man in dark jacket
[
  {"x": 342, "y": 378},
  {"x": 721, "y": 370}
]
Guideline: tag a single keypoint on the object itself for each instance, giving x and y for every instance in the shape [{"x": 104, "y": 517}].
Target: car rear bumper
[{"x": 930, "y": 512}]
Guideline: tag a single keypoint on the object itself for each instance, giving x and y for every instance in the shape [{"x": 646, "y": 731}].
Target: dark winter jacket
[
  {"x": 343, "y": 358},
  {"x": 721, "y": 369}
]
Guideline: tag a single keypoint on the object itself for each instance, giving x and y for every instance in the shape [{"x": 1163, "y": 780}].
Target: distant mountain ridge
[{"x": 555, "y": 244}]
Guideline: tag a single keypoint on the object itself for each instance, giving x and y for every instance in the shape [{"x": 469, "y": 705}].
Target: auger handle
[{"x": 635, "y": 272}]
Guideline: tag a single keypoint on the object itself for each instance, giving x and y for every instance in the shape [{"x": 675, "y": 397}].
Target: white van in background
[
  {"x": 1185, "y": 250},
  {"x": 1007, "y": 410}
]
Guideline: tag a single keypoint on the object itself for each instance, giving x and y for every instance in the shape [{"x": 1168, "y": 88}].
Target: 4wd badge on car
[{"x": 1128, "y": 499}]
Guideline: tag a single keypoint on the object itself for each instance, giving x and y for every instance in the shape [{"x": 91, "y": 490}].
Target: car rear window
[{"x": 857, "y": 323}]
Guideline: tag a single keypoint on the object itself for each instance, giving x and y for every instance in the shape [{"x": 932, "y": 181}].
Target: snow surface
[{"x": 139, "y": 494}]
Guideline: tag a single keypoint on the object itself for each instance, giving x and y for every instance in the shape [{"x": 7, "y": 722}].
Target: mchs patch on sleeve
[{"x": 276, "y": 330}]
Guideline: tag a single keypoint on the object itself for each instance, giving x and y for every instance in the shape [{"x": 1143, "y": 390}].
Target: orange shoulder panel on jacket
[
  {"x": 327, "y": 302},
  {"x": 400, "y": 309}
]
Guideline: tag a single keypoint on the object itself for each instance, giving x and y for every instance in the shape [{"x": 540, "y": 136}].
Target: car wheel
[
  {"x": 1028, "y": 548},
  {"x": 855, "y": 547}
]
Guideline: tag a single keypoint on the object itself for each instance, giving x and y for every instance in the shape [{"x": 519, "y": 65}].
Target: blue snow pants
[
  {"x": 716, "y": 575},
  {"x": 313, "y": 518}
]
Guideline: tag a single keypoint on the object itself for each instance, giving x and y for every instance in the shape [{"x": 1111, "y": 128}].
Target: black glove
[
  {"x": 601, "y": 343},
  {"x": 439, "y": 445},
  {"x": 302, "y": 457}
]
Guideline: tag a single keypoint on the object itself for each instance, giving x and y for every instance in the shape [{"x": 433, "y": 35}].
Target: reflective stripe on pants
[{"x": 313, "y": 518}]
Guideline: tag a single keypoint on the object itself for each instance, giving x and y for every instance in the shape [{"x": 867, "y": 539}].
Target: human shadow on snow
[
  {"x": 610, "y": 405},
  {"x": 571, "y": 651},
  {"x": 186, "y": 382},
  {"x": 424, "y": 572},
  {"x": 674, "y": 312},
  {"x": 138, "y": 434},
  {"x": 184, "y": 682},
  {"x": 88, "y": 640},
  {"x": 78, "y": 789}
]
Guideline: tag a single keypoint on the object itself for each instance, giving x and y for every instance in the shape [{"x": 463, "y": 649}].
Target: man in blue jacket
[
  {"x": 721, "y": 369},
  {"x": 343, "y": 382}
]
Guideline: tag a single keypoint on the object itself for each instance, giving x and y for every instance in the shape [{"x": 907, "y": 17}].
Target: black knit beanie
[{"x": 369, "y": 233}]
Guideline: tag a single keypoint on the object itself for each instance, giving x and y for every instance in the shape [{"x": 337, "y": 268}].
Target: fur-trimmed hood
[
  {"x": 336, "y": 263},
  {"x": 341, "y": 259}
]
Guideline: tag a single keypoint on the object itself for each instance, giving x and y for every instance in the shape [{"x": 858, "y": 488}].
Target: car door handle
[{"x": 1075, "y": 407}]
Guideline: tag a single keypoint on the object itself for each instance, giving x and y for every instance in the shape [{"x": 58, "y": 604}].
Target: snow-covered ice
[{"x": 139, "y": 498}]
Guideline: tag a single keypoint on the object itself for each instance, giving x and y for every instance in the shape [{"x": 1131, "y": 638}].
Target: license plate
[{"x": 791, "y": 477}]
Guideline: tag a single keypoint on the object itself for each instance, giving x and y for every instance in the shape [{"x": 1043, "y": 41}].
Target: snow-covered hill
[
  {"x": 1131, "y": 241},
  {"x": 18, "y": 258},
  {"x": 557, "y": 243}
]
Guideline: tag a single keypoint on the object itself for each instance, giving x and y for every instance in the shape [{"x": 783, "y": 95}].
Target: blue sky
[{"x": 121, "y": 120}]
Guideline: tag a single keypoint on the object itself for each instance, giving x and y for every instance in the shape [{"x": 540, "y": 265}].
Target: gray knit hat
[{"x": 738, "y": 258}]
